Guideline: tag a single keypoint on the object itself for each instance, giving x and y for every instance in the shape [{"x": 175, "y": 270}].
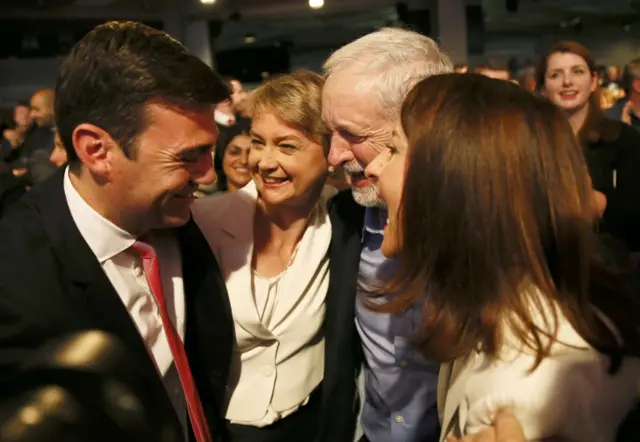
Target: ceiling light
[
  {"x": 207, "y": 2},
  {"x": 316, "y": 4}
]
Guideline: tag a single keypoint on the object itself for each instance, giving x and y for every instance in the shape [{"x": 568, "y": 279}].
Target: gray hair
[{"x": 391, "y": 61}]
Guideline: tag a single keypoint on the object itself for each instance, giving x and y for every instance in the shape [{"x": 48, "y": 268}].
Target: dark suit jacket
[
  {"x": 619, "y": 158},
  {"x": 51, "y": 284},
  {"x": 343, "y": 351},
  {"x": 11, "y": 190}
]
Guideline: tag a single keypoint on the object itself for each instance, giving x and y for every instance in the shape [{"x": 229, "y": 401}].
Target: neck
[
  {"x": 577, "y": 117},
  {"x": 232, "y": 187},
  {"x": 281, "y": 226},
  {"x": 97, "y": 196}
]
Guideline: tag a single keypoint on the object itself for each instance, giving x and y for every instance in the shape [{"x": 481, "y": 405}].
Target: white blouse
[
  {"x": 278, "y": 320},
  {"x": 569, "y": 397}
]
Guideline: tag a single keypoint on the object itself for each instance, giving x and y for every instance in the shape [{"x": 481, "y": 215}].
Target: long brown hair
[
  {"x": 496, "y": 224},
  {"x": 596, "y": 127}
]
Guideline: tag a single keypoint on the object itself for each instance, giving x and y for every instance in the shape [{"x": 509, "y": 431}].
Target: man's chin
[
  {"x": 368, "y": 197},
  {"x": 173, "y": 220}
]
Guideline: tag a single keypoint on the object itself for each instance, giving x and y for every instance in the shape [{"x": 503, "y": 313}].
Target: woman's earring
[{"x": 331, "y": 169}]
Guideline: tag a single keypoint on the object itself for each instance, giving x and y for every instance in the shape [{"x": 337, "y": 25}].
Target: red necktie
[{"x": 194, "y": 406}]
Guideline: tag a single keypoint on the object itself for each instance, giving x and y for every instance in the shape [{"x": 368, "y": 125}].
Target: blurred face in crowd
[
  {"x": 235, "y": 163},
  {"x": 152, "y": 187},
  {"x": 388, "y": 169},
  {"x": 568, "y": 81},
  {"x": 58, "y": 154},
  {"x": 288, "y": 167},
  {"x": 22, "y": 117},
  {"x": 360, "y": 130},
  {"x": 42, "y": 108},
  {"x": 238, "y": 95}
]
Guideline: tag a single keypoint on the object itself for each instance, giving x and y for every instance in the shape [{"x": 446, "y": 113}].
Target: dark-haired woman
[
  {"x": 491, "y": 209},
  {"x": 231, "y": 158},
  {"x": 567, "y": 75}
]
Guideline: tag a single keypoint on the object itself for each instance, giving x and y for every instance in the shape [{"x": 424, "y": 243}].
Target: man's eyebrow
[
  {"x": 347, "y": 127},
  {"x": 198, "y": 147}
]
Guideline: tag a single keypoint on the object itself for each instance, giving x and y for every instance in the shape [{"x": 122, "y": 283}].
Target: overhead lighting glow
[
  {"x": 316, "y": 4},
  {"x": 207, "y": 2}
]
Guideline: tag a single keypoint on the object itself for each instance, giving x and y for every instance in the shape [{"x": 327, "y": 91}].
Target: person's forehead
[
  {"x": 344, "y": 100},
  {"x": 181, "y": 127},
  {"x": 566, "y": 59}
]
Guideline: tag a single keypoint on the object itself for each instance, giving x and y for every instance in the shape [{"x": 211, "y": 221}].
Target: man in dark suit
[{"x": 108, "y": 243}]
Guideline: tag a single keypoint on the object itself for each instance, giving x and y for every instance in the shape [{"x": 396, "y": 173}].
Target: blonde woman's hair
[{"x": 296, "y": 99}]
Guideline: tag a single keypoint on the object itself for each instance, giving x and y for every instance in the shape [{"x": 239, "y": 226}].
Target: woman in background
[
  {"x": 566, "y": 74},
  {"x": 231, "y": 158},
  {"x": 491, "y": 208}
]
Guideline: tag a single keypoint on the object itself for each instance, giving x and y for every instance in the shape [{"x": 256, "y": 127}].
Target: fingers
[{"x": 508, "y": 429}]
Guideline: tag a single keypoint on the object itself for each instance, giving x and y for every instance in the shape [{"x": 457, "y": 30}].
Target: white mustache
[{"x": 353, "y": 168}]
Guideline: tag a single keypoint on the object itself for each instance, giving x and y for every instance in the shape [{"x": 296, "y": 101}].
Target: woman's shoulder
[
  {"x": 629, "y": 136},
  {"x": 211, "y": 205},
  {"x": 573, "y": 378},
  {"x": 223, "y": 208},
  {"x": 615, "y": 133},
  {"x": 563, "y": 395}
]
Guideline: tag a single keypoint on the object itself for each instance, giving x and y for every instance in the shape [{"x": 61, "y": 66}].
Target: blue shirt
[{"x": 400, "y": 385}]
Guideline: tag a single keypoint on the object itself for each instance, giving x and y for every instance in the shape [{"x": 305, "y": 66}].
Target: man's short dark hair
[{"x": 116, "y": 70}]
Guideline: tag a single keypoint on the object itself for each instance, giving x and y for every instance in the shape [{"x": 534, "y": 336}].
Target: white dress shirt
[{"x": 111, "y": 246}]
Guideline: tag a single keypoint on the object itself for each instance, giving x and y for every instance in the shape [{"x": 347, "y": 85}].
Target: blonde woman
[{"x": 272, "y": 239}]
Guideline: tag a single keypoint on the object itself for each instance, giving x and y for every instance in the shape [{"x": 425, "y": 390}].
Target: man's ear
[{"x": 95, "y": 148}]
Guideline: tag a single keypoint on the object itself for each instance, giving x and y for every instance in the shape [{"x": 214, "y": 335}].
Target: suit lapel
[
  {"x": 90, "y": 287},
  {"x": 209, "y": 327},
  {"x": 237, "y": 259},
  {"x": 450, "y": 397},
  {"x": 344, "y": 252}
]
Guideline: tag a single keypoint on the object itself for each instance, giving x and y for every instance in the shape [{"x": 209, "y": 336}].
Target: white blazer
[
  {"x": 280, "y": 364},
  {"x": 569, "y": 397}
]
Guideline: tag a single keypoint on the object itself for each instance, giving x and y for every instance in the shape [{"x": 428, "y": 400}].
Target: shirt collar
[
  {"x": 374, "y": 220},
  {"x": 104, "y": 238}
]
